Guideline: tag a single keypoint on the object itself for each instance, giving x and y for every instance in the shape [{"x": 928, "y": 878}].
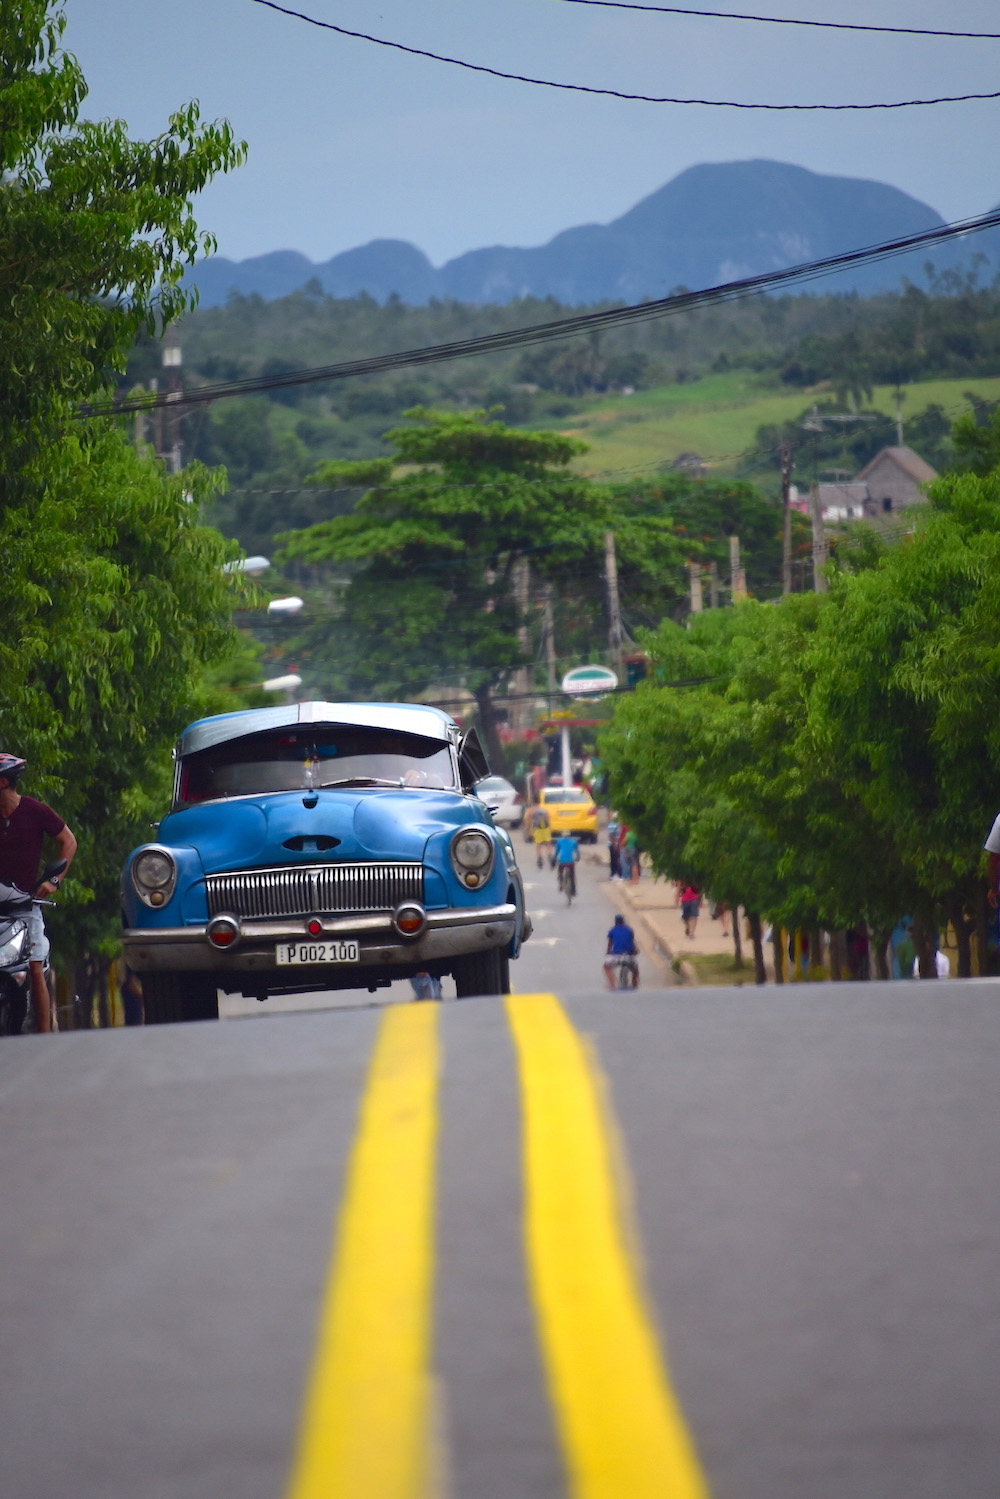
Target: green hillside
[{"x": 719, "y": 417}]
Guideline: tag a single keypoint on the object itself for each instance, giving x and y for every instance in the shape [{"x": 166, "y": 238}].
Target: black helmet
[{"x": 11, "y": 767}]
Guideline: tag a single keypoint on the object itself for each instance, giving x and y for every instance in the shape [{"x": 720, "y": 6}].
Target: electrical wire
[
  {"x": 569, "y": 327},
  {"x": 729, "y": 15},
  {"x": 612, "y": 93}
]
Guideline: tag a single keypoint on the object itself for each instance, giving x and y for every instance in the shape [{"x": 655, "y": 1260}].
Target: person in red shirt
[{"x": 24, "y": 822}]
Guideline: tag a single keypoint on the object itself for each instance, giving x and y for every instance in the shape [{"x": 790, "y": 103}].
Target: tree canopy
[
  {"x": 839, "y": 761},
  {"x": 114, "y": 606},
  {"x": 431, "y": 550}
]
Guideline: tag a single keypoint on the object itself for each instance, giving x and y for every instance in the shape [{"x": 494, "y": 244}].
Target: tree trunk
[
  {"x": 923, "y": 941},
  {"x": 816, "y": 955},
  {"x": 963, "y": 932},
  {"x": 986, "y": 919},
  {"x": 737, "y": 938},
  {"x": 838, "y": 955},
  {"x": 880, "y": 949},
  {"x": 759, "y": 966}
]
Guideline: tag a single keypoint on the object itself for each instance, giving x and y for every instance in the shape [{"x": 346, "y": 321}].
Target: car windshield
[
  {"x": 305, "y": 760},
  {"x": 570, "y": 794}
]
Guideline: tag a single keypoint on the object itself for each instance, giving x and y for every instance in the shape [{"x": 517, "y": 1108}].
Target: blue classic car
[{"x": 321, "y": 846}]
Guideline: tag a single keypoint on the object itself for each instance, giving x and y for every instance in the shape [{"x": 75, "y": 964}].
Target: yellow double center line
[
  {"x": 366, "y": 1425},
  {"x": 365, "y": 1431}
]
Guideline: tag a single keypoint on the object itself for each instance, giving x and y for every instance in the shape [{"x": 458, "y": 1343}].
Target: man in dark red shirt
[{"x": 24, "y": 822}]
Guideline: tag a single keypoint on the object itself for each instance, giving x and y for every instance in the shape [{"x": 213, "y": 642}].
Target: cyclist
[
  {"x": 622, "y": 951},
  {"x": 567, "y": 855}
]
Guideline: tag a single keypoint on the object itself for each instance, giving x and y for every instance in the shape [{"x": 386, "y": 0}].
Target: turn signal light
[
  {"x": 224, "y": 931},
  {"x": 410, "y": 919}
]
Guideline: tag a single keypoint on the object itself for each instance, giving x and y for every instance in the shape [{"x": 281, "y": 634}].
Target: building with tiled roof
[{"x": 893, "y": 480}]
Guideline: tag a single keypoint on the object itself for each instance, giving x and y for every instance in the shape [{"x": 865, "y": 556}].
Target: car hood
[{"x": 289, "y": 827}]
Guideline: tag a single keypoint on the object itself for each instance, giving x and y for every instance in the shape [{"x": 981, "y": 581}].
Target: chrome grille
[{"x": 304, "y": 890}]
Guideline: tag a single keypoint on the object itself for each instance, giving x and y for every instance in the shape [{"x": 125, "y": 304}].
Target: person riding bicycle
[
  {"x": 23, "y": 823},
  {"x": 621, "y": 951},
  {"x": 567, "y": 854}
]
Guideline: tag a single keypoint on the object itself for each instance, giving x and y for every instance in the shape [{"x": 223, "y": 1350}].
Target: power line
[
  {"x": 611, "y": 93},
  {"x": 569, "y": 327},
  {"x": 729, "y": 15}
]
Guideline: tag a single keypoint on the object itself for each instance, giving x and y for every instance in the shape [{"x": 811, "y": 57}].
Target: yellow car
[{"x": 568, "y": 809}]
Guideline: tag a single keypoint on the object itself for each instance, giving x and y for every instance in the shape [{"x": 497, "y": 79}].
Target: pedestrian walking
[
  {"x": 541, "y": 835},
  {"x": 690, "y": 906},
  {"x": 630, "y": 860},
  {"x": 614, "y": 849},
  {"x": 425, "y": 986}
]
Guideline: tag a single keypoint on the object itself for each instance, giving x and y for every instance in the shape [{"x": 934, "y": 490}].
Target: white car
[{"x": 503, "y": 800}]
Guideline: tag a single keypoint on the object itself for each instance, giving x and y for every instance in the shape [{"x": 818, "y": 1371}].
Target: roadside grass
[
  {"x": 718, "y": 417},
  {"x": 716, "y": 968}
]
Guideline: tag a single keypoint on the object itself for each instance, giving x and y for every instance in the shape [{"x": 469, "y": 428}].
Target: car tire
[
  {"x": 482, "y": 973},
  {"x": 171, "y": 998}
]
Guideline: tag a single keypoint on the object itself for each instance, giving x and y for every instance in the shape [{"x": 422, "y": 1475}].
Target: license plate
[{"x": 318, "y": 952}]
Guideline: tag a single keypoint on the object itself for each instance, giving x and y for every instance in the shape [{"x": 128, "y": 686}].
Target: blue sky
[{"x": 351, "y": 142}]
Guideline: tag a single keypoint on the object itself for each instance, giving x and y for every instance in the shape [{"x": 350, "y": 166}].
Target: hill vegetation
[{"x": 718, "y": 382}]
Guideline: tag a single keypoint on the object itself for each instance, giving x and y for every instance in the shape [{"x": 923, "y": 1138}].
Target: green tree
[
  {"x": 114, "y": 605},
  {"x": 430, "y": 554}
]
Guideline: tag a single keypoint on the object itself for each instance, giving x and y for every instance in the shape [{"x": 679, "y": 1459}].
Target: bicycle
[
  {"x": 626, "y": 971},
  {"x": 567, "y": 882}
]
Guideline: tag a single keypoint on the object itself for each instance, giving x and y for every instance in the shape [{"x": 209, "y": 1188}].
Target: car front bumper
[{"x": 447, "y": 934}]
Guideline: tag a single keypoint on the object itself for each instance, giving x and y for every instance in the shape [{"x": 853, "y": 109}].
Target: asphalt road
[{"x": 807, "y": 1305}]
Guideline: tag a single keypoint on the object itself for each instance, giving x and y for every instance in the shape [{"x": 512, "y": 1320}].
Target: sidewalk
[{"x": 650, "y": 907}]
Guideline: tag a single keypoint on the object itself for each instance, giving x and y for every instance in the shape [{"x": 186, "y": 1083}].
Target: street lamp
[
  {"x": 252, "y": 566},
  {"x": 285, "y": 607}
]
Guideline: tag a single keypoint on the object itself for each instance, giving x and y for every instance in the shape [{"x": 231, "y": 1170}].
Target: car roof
[{"x": 407, "y": 718}]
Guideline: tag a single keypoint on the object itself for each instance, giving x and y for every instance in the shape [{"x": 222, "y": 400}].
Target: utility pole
[
  {"x": 154, "y": 386},
  {"x": 820, "y": 548},
  {"x": 521, "y": 707},
  {"x": 615, "y": 632},
  {"x": 786, "y": 508},
  {"x": 713, "y": 585},
  {"x": 172, "y": 361},
  {"x": 694, "y": 570},
  {"x": 548, "y": 634},
  {"x": 737, "y": 577}
]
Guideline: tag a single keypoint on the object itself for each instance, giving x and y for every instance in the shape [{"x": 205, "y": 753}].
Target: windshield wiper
[{"x": 361, "y": 781}]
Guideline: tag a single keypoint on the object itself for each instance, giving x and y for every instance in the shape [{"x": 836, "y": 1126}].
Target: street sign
[{"x": 589, "y": 681}]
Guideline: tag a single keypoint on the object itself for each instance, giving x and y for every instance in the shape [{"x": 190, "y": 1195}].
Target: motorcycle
[{"x": 15, "y": 980}]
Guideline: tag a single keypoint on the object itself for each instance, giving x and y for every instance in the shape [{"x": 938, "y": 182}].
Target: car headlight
[
  {"x": 472, "y": 854},
  {"x": 154, "y": 875},
  {"x": 12, "y": 950}
]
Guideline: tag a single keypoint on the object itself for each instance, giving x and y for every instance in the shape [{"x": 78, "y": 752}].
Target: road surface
[{"x": 743, "y": 1242}]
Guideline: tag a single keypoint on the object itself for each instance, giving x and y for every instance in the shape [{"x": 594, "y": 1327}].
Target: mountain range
[{"x": 711, "y": 224}]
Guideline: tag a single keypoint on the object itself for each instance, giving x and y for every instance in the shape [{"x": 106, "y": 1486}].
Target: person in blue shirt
[
  {"x": 567, "y": 854},
  {"x": 621, "y": 949}
]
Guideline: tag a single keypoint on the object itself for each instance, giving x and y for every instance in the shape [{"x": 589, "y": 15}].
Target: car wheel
[
  {"x": 482, "y": 973},
  {"x": 169, "y": 998}
]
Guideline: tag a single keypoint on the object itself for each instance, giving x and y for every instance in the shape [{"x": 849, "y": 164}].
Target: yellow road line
[
  {"x": 622, "y": 1431},
  {"x": 365, "y": 1430}
]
